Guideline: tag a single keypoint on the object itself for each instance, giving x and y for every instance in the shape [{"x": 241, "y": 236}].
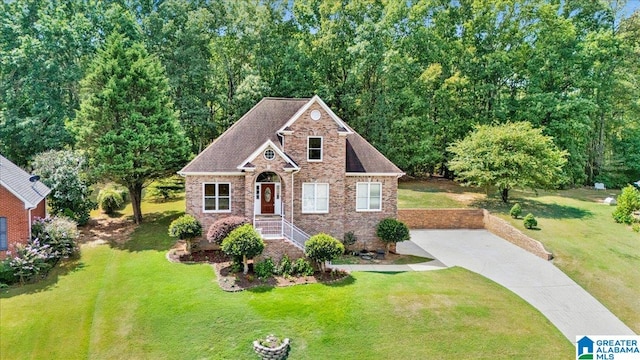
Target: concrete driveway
[{"x": 567, "y": 305}]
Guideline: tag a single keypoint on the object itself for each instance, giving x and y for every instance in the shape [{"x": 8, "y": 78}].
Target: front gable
[
  {"x": 315, "y": 111},
  {"x": 271, "y": 154}
]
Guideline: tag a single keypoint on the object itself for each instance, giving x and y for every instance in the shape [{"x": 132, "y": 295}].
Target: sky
[{"x": 632, "y": 5}]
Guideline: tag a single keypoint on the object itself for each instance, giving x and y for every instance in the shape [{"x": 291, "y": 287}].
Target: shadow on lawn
[
  {"x": 151, "y": 234},
  {"x": 44, "y": 284},
  {"x": 537, "y": 208}
]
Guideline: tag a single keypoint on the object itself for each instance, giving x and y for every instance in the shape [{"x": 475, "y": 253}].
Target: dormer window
[{"x": 314, "y": 148}]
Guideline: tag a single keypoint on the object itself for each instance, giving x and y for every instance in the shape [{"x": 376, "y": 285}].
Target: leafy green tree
[
  {"x": 65, "y": 173},
  {"x": 243, "y": 242},
  {"x": 186, "y": 228},
  {"x": 126, "y": 121},
  {"x": 507, "y": 156},
  {"x": 322, "y": 247},
  {"x": 392, "y": 231}
]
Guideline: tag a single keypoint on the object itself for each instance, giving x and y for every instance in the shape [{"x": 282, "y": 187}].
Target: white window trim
[
  {"x": 321, "y": 148},
  {"x": 368, "y": 209},
  {"x": 217, "y": 197},
  {"x": 315, "y": 199}
]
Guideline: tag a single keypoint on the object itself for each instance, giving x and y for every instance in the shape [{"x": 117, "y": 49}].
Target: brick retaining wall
[
  {"x": 471, "y": 219},
  {"x": 442, "y": 218}
]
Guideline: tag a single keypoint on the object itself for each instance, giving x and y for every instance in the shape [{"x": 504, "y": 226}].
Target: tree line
[{"x": 412, "y": 77}]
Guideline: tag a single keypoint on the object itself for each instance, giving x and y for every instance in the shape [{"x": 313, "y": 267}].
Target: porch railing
[{"x": 279, "y": 228}]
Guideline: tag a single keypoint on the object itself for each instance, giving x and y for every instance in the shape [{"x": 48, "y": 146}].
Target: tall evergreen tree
[{"x": 126, "y": 120}]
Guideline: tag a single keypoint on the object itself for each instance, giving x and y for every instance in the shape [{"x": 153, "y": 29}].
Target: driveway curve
[{"x": 567, "y": 305}]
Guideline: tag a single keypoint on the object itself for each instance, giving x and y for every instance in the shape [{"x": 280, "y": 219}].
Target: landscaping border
[{"x": 471, "y": 219}]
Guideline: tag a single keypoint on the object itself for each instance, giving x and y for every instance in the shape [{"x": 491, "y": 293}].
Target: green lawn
[
  {"x": 600, "y": 255},
  {"x": 129, "y": 302}
]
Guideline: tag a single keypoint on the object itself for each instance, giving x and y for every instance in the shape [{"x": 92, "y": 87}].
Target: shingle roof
[
  {"x": 253, "y": 129},
  {"x": 261, "y": 124},
  {"x": 16, "y": 180}
]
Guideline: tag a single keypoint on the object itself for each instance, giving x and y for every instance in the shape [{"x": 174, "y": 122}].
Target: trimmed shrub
[
  {"x": 285, "y": 266},
  {"x": 59, "y": 233},
  {"x": 110, "y": 200},
  {"x": 515, "y": 211},
  {"x": 243, "y": 241},
  {"x": 220, "y": 229},
  {"x": 323, "y": 247},
  {"x": 392, "y": 231},
  {"x": 264, "y": 268},
  {"x": 302, "y": 267},
  {"x": 635, "y": 227},
  {"x": 628, "y": 202},
  {"x": 530, "y": 221},
  {"x": 186, "y": 228},
  {"x": 348, "y": 240}
]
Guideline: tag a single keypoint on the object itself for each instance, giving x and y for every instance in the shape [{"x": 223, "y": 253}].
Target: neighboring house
[
  {"x": 294, "y": 168},
  {"x": 22, "y": 199}
]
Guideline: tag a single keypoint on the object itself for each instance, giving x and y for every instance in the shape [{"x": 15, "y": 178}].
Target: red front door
[{"x": 267, "y": 198}]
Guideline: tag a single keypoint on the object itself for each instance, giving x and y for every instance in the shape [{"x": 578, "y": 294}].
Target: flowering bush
[
  {"x": 60, "y": 233},
  {"x": 33, "y": 259}
]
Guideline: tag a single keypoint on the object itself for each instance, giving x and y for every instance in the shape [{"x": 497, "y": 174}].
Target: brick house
[
  {"x": 294, "y": 168},
  {"x": 22, "y": 199}
]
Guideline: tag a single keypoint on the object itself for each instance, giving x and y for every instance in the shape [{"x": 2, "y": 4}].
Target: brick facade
[{"x": 18, "y": 222}]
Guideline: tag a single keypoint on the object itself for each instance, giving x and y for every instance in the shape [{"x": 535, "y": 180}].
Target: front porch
[{"x": 277, "y": 227}]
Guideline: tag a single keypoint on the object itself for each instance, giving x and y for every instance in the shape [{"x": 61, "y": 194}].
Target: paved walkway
[{"x": 567, "y": 305}]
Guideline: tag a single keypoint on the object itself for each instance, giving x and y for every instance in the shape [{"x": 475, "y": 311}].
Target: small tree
[
  {"x": 516, "y": 211},
  {"x": 323, "y": 247},
  {"x": 530, "y": 221},
  {"x": 392, "y": 231},
  {"x": 220, "y": 229},
  {"x": 186, "y": 228},
  {"x": 243, "y": 241},
  {"x": 628, "y": 202}
]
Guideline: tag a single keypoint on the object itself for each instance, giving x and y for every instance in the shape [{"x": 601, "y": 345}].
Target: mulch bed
[{"x": 237, "y": 281}]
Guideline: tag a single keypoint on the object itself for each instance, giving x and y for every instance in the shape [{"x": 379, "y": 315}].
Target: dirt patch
[
  {"x": 232, "y": 281},
  {"x": 106, "y": 230}
]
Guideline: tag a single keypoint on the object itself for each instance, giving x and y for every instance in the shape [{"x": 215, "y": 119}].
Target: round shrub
[
  {"x": 516, "y": 211},
  {"x": 110, "y": 200},
  {"x": 243, "y": 241},
  {"x": 530, "y": 221},
  {"x": 628, "y": 202},
  {"x": 220, "y": 229},
  {"x": 392, "y": 231},
  {"x": 323, "y": 247},
  {"x": 187, "y": 228}
]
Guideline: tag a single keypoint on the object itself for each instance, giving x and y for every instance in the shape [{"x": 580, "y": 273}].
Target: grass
[
  {"x": 130, "y": 302},
  {"x": 600, "y": 255}
]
